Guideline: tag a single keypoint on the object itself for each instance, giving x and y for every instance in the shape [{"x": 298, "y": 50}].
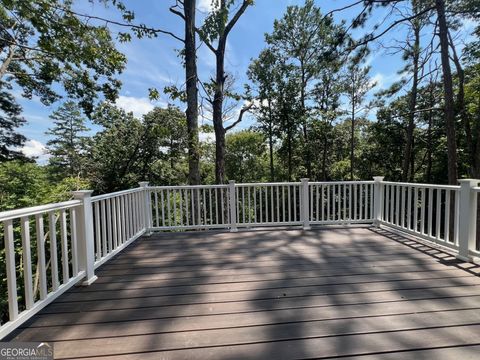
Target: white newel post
[
  {"x": 147, "y": 208},
  {"x": 467, "y": 218},
  {"x": 85, "y": 237},
  {"x": 378, "y": 200},
  {"x": 233, "y": 206},
  {"x": 304, "y": 213}
]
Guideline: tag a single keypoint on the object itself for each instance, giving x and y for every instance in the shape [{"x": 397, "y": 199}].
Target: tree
[
  {"x": 439, "y": 10},
  {"x": 166, "y": 129},
  {"x": 357, "y": 85},
  {"x": 191, "y": 92},
  {"x": 69, "y": 144},
  {"x": 10, "y": 120},
  {"x": 128, "y": 150},
  {"x": 245, "y": 156},
  {"x": 45, "y": 42},
  {"x": 261, "y": 72},
  {"x": 216, "y": 28},
  {"x": 308, "y": 41}
]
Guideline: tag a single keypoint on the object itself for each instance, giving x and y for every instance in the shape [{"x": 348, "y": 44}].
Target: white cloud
[
  {"x": 205, "y": 5},
  {"x": 35, "y": 149},
  {"x": 138, "y": 106},
  {"x": 383, "y": 81},
  {"x": 206, "y": 137}
]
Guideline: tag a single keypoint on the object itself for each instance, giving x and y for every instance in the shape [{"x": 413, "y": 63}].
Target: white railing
[
  {"x": 45, "y": 239},
  {"x": 189, "y": 207},
  {"x": 50, "y": 248},
  {"x": 345, "y": 202},
  {"x": 118, "y": 220},
  {"x": 424, "y": 210}
]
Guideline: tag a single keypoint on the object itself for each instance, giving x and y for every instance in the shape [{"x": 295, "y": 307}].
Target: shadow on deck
[{"x": 276, "y": 294}]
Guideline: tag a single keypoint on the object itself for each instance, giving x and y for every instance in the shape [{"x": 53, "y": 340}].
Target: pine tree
[
  {"x": 10, "y": 120},
  {"x": 68, "y": 145}
]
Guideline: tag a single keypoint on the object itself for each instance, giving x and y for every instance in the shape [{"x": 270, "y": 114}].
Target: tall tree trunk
[
  {"x": 461, "y": 109},
  {"x": 429, "y": 135},
  {"x": 412, "y": 104},
  {"x": 192, "y": 93},
  {"x": 448, "y": 93},
  {"x": 218, "y": 113},
  {"x": 270, "y": 140},
  {"x": 306, "y": 152},
  {"x": 352, "y": 139}
]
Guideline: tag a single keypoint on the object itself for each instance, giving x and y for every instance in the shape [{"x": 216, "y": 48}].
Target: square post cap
[
  {"x": 471, "y": 182},
  {"x": 378, "y": 178},
  {"x": 82, "y": 194},
  {"x": 143, "y": 184}
]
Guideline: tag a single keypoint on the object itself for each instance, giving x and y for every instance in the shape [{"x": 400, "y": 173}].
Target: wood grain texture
[{"x": 283, "y": 294}]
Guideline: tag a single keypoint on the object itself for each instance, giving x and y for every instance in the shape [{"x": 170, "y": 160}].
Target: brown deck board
[{"x": 283, "y": 294}]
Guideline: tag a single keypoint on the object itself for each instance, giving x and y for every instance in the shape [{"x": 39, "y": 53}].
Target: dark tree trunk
[
  {"x": 192, "y": 93},
  {"x": 218, "y": 113},
  {"x": 448, "y": 93},
  {"x": 352, "y": 139},
  {"x": 412, "y": 104},
  {"x": 324, "y": 157},
  {"x": 270, "y": 140}
]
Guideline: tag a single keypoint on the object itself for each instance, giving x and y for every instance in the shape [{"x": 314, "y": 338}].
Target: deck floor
[{"x": 277, "y": 294}]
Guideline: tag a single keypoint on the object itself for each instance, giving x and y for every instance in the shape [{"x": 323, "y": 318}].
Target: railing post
[
  {"x": 85, "y": 237},
  {"x": 377, "y": 200},
  {"x": 467, "y": 218},
  {"x": 233, "y": 206},
  {"x": 304, "y": 213},
  {"x": 147, "y": 208}
]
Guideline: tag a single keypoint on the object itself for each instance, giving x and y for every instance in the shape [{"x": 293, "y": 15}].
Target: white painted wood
[
  {"x": 52, "y": 231},
  {"x": 447, "y": 216},
  {"x": 73, "y": 240},
  {"x": 42, "y": 266},
  {"x": 86, "y": 252},
  {"x": 467, "y": 218},
  {"x": 64, "y": 246},
  {"x": 415, "y": 209},
  {"x": 422, "y": 209},
  {"x": 378, "y": 198},
  {"x": 430, "y": 212},
  {"x": 98, "y": 235},
  {"x": 10, "y": 269},
  {"x": 402, "y": 211},
  {"x": 233, "y": 207},
  {"x": 104, "y": 228},
  {"x": 27, "y": 262},
  {"x": 304, "y": 203}
]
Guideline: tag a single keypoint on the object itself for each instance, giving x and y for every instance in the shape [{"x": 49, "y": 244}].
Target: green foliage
[
  {"x": 10, "y": 120},
  {"x": 245, "y": 156},
  {"x": 129, "y": 150},
  {"x": 45, "y": 43},
  {"x": 69, "y": 144}
]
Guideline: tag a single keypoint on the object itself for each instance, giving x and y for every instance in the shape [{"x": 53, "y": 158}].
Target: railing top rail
[
  {"x": 35, "y": 210},
  {"x": 432, "y": 186},
  {"x": 115, "y": 194},
  {"x": 476, "y": 188},
  {"x": 187, "y": 187},
  {"x": 346, "y": 182},
  {"x": 269, "y": 184}
]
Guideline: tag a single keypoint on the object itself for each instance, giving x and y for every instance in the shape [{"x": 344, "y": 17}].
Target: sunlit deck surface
[{"x": 274, "y": 294}]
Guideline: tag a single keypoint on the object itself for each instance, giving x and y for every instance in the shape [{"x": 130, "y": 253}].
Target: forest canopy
[{"x": 307, "y": 105}]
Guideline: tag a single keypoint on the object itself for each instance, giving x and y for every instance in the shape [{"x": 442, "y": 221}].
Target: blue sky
[{"x": 153, "y": 62}]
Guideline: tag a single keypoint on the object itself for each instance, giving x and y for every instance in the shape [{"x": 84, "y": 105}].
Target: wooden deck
[{"x": 276, "y": 294}]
